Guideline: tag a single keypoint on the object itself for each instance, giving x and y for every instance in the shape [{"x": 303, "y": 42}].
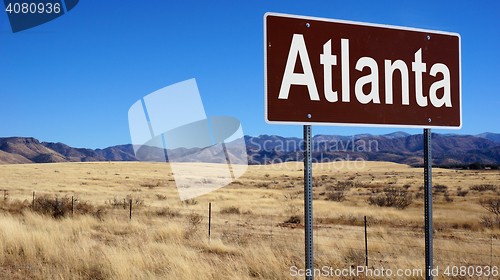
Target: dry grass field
[{"x": 256, "y": 230}]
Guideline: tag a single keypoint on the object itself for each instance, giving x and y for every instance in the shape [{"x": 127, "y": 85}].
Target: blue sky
[{"x": 73, "y": 79}]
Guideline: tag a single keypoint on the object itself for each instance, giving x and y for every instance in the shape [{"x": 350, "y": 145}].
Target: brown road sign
[{"x": 331, "y": 72}]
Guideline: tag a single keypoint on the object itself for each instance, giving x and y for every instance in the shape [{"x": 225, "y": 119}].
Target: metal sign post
[
  {"x": 428, "y": 203},
  {"x": 308, "y": 207}
]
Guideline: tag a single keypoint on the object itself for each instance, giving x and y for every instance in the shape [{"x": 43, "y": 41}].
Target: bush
[
  {"x": 338, "y": 196},
  {"x": 475, "y": 166},
  {"x": 490, "y": 222},
  {"x": 483, "y": 187},
  {"x": 440, "y": 188},
  {"x": 161, "y": 196},
  {"x": 447, "y": 197},
  {"x": 295, "y": 219},
  {"x": 194, "y": 220},
  {"x": 60, "y": 207},
  {"x": 462, "y": 193},
  {"x": 492, "y": 205},
  {"x": 344, "y": 185},
  {"x": 14, "y": 206},
  {"x": 190, "y": 201},
  {"x": 350, "y": 220},
  {"x": 392, "y": 197},
  {"x": 167, "y": 212},
  {"x": 230, "y": 210},
  {"x": 125, "y": 203}
]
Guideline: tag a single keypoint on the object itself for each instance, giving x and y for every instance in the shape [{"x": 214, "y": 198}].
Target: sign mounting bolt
[
  {"x": 428, "y": 37},
  {"x": 307, "y": 24},
  {"x": 308, "y": 116},
  {"x": 429, "y": 119}
]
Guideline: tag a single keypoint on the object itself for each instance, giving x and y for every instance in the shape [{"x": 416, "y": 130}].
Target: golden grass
[{"x": 162, "y": 241}]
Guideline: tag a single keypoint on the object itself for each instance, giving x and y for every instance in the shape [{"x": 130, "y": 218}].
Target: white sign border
[{"x": 364, "y": 24}]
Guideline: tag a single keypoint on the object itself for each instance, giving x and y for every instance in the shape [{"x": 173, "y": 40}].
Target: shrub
[
  {"x": 190, "y": 201},
  {"x": 350, "y": 220},
  {"x": 161, "y": 196},
  {"x": 168, "y": 212},
  {"x": 338, "y": 196},
  {"x": 14, "y": 206},
  {"x": 345, "y": 185},
  {"x": 194, "y": 220},
  {"x": 230, "y": 210},
  {"x": 60, "y": 207},
  {"x": 440, "y": 188},
  {"x": 492, "y": 205},
  {"x": 490, "y": 222},
  {"x": 264, "y": 185},
  {"x": 82, "y": 207},
  {"x": 392, "y": 197},
  {"x": 462, "y": 193},
  {"x": 125, "y": 203},
  {"x": 475, "y": 166},
  {"x": 342, "y": 186},
  {"x": 447, "y": 197},
  {"x": 295, "y": 219},
  {"x": 483, "y": 187}
]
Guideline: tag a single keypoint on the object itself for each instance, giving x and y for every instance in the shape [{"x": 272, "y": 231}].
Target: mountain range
[{"x": 400, "y": 147}]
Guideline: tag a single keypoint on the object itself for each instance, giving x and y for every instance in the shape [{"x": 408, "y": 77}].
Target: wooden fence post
[{"x": 131, "y": 209}]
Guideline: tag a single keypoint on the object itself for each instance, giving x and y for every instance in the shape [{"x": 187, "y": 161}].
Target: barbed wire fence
[{"x": 373, "y": 244}]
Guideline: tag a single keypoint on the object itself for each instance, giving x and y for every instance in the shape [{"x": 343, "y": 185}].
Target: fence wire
[{"x": 273, "y": 228}]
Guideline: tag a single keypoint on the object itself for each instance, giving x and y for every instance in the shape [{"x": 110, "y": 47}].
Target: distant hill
[
  {"x": 490, "y": 153},
  {"x": 117, "y": 153},
  {"x": 30, "y": 149},
  {"x": 395, "y": 135},
  {"x": 73, "y": 154},
  {"x": 8, "y": 158},
  {"x": 446, "y": 150},
  {"x": 400, "y": 147},
  {"x": 495, "y": 137},
  {"x": 440, "y": 144}
]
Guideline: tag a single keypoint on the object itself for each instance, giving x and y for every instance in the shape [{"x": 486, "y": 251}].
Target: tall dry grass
[
  {"x": 165, "y": 239},
  {"x": 39, "y": 247}
]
